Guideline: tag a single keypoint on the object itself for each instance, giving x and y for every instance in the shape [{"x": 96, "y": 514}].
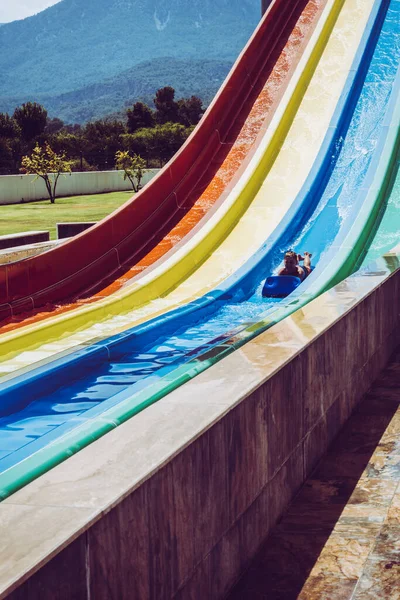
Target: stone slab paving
[{"x": 340, "y": 537}]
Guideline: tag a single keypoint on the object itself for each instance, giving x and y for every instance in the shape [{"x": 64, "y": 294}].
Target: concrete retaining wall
[
  {"x": 24, "y": 188},
  {"x": 24, "y": 238},
  {"x": 175, "y": 502}
]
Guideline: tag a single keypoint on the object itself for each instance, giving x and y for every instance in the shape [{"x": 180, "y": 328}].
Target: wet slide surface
[
  {"x": 128, "y": 366},
  {"x": 170, "y": 341},
  {"x": 297, "y": 134},
  {"x": 171, "y": 205}
]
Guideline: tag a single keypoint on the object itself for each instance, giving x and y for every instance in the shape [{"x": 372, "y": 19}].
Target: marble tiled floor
[{"x": 340, "y": 538}]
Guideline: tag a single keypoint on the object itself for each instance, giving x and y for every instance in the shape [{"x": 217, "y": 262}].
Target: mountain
[
  {"x": 187, "y": 77},
  {"x": 79, "y": 43}
]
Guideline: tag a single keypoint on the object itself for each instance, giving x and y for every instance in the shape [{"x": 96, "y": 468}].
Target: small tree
[
  {"x": 44, "y": 162},
  {"x": 133, "y": 167}
]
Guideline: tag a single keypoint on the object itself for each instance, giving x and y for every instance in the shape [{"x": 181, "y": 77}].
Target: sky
[{"x": 11, "y": 10}]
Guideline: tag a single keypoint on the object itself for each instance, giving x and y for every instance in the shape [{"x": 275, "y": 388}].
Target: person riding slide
[{"x": 291, "y": 264}]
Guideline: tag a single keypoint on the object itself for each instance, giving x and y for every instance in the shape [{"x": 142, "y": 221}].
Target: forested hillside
[
  {"x": 77, "y": 44},
  {"x": 187, "y": 77}
]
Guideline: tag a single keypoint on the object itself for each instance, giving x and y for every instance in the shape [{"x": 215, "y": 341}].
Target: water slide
[
  {"x": 296, "y": 131},
  {"x": 240, "y": 143},
  {"x": 130, "y": 234},
  {"x": 363, "y": 133}
]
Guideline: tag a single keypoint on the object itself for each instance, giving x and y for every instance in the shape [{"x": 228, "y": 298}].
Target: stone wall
[{"x": 22, "y": 239}]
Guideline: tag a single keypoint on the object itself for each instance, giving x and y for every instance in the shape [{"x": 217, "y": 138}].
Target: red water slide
[{"x": 127, "y": 235}]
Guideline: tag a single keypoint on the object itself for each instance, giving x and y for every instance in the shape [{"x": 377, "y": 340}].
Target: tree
[
  {"x": 133, "y": 167},
  {"x": 53, "y": 125},
  {"x": 81, "y": 165},
  {"x": 139, "y": 116},
  {"x": 166, "y": 107},
  {"x": 73, "y": 145},
  {"x": 190, "y": 110},
  {"x": 32, "y": 119},
  {"x": 76, "y": 128},
  {"x": 140, "y": 142},
  {"x": 159, "y": 142},
  {"x": 9, "y": 127},
  {"x": 103, "y": 139},
  {"x": 6, "y": 156},
  {"x": 44, "y": 162},
  {"x": 9, "y": 144},
  {"x": 164, "y": 140}
]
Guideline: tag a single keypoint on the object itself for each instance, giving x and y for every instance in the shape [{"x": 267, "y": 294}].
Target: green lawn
[{"x": 43, "y": 216}]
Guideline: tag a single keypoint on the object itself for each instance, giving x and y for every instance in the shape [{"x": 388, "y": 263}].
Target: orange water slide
[{"x": 186, "y": 192}]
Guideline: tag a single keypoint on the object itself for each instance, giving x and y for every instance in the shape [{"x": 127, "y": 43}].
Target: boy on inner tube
[{"x": 291, "y": 265}]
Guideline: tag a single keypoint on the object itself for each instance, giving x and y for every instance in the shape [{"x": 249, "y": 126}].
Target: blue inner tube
[{"x": 280, "y": 286}]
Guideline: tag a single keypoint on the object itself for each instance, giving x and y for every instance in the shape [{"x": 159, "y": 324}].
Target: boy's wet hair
[{"x": 290, "y": 254}]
